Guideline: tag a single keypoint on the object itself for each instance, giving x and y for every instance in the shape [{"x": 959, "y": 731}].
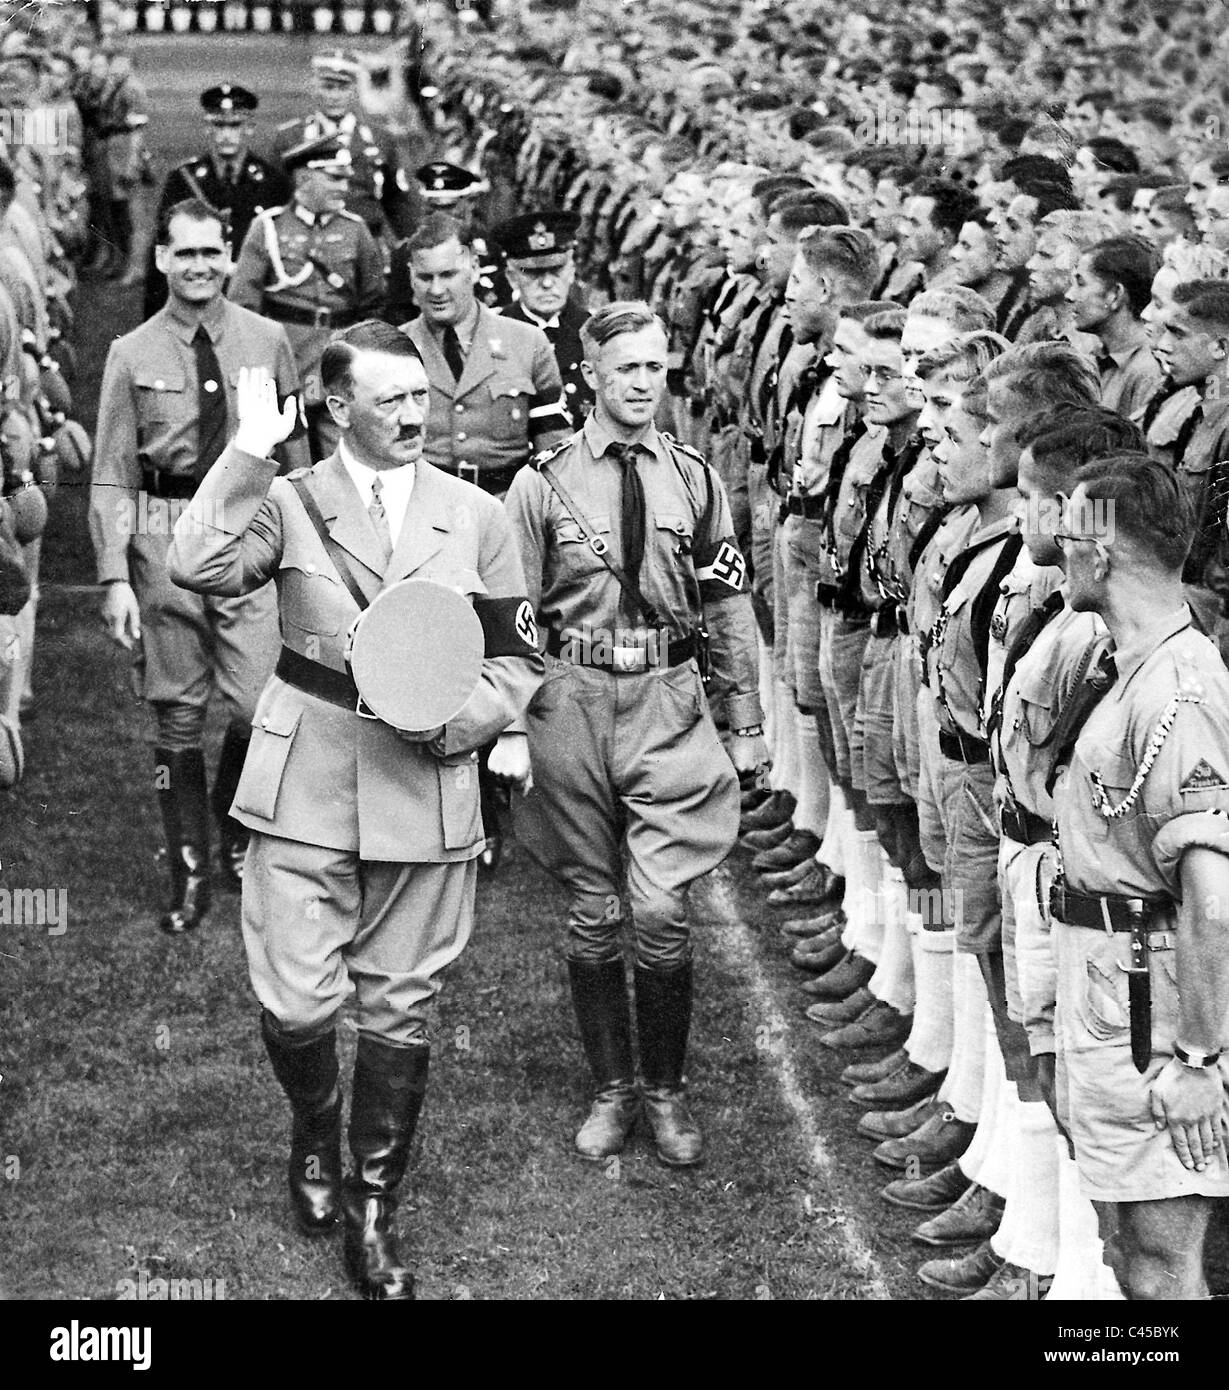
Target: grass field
[{"x": 142, "y": 1133}]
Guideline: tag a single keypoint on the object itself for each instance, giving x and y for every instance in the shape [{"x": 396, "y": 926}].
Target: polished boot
[
  {"x": 599, "y": 995},
  {"x": 850, "y": 973},
  {"x": 786, "y": 878},
  {"x": 934, "y": 1193},
  {"x": 975, "y": 1215},
  {"x": 663, "y": 1020},
  {"x": 843, "y": 1011},
  {"x": 909, "y": 1083},
  {"x": 232, "y": 837},
  {"x": 818, "y": 888},
  {"x": 965, "y": 1275},
  {"x": 775, "y": 810},
  {"x": 797, "y": 848},
  {"x": 308, "y": 1073},
  {"x": 389, "y": 1086},
  {"x": 818, "y": 954},
  {"x": 185, "y": 819},
  {"x": 819, "y": 925},
  {"x": 859, "y": 1073}
]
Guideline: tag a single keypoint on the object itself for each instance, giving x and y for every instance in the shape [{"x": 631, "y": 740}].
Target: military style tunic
[
  {"x": 253, "y": 185},
  {"x": 1148, "y": 780},
  {"x": 625, "y": 750},
  {"x": 563, "y": 333},
  {"x": 314, "y": 274}
]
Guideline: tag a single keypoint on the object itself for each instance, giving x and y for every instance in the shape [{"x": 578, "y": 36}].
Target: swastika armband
[
  {"x": 508, "y": 626},
  {"x": 724, "y": 574},
  {"x": 547, "y": 414}
]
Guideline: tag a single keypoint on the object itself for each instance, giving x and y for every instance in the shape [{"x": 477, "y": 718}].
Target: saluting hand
[{"x": 262, "y": 423}]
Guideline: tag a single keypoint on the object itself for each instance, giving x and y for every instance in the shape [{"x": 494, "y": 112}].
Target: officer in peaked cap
[
  {"x": 445, "y": 185},
  {"x": 539, "y": 262},
  {"x": 447, "y": 188},
  {"x": 230, "y": 177},
  {"x": 312, "y": 265},
  {"x": 380, "y": 191}
]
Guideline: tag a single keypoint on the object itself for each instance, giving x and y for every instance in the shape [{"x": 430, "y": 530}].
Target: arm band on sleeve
[{"x": 508, "y": 626}]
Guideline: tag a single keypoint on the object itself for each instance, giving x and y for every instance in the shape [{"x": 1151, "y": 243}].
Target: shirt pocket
[
  {"x": 1036, "y": 714},
  {"x": 161, "y": 395},
  {"x": 574, "y": 552},
  {"x": 311, "y": 599},
  {"x": 511, "y": 400},
  {"x": 675, "y": 532}
]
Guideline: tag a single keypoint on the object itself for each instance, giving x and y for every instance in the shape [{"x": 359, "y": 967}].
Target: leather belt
[
  {"x": 336, "y": 687},
  {"x": 889, "y": 621},
  {"x": 962, "y": 749},
  {"x": 1024, "y": 827},
  {"x": 311, "y": 318},
  {"x": 620, "y": 661},
  {"x": 1137, "y": 917},
  {"x": 158, "y": 482},
  {"x": 488, "y": 479},
  {"x": 810, "y": 508}
]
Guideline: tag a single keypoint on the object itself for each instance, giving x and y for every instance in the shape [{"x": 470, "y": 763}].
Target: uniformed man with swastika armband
[{"x": 626, "y": 542}]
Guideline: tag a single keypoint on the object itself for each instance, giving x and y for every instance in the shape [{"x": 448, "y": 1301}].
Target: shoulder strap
[
  {"x": 598, "y": 546},
  {"x": 333, "y": 550}
]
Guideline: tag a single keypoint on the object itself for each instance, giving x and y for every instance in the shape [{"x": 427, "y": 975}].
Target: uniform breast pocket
[
  {"x": 162, "y": 396},
  {"x": 574, "y": 553},
  {"x": 311, "y": 599},
  {"x": 1036, "y": 706},
  {"x": 675, "y": 532},
  {"x": 510, "y": 404},
  {"x": 1115, "y": 772},
  {"x": 272, "y": 735},
  {"x": 850, "y": 515}
]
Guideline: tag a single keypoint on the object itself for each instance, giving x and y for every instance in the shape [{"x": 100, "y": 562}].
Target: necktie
[
  {"x": 453, "y": 354},
  {"x": 379, "y": 517},
  {"x": 631, "y": 516},
  {"x": 210, "y": 403}
]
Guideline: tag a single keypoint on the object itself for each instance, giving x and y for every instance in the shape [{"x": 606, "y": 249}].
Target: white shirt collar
[{"x": 396, "y": 485}]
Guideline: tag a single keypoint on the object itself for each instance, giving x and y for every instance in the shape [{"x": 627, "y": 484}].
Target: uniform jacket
[
  {"x": 563, "y": 334},
  {"x": 489, "y": 419},
  {"x": 316, "y": 772},
  {"x": 257, "y": 185},
  {"x": 379, "y": 187},
  {"x": 148, "y": 410}
]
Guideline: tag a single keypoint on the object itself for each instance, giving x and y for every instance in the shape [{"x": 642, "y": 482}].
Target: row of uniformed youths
[
  {"x": 43, "y": 202},
  {"x": 862, "y": 514}
]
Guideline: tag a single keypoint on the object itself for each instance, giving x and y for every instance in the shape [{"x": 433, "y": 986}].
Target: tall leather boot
[
  {"x": 599, "y": 995},
  {"x": 233, "y": 837},
  {"x": 185, "y": 819},
  {"x": 663, "y": 1017},
  {"x": 389, "y": 1086},
  {"x": 308, "y": 1073}
]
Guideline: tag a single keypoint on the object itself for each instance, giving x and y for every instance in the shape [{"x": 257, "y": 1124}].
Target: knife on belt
[{"x": 1139, "y": 987}]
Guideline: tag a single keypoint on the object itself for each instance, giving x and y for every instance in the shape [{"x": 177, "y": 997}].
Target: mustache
[{"x": 407, "y": 432}]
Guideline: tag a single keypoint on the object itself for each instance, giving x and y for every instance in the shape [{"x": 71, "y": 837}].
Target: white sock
[
  {"x": 832, "y": 851},
  {"x": 1080, "y": 1273},
  {"x": 854, "y": 901},
  {"x": 892, "y": 981},
  {"x": 963, "y": 1088},
  {"x": 785, "y": 756},
  {"x": 1034, "y": 1230},
  {"x": 976, "y": 1158},
  {"x": 768, "y": 705},
  {"x": 930, "y": 1040},
  {"x": 870, "y": 904},
  {"x": 811, "y": 812}
]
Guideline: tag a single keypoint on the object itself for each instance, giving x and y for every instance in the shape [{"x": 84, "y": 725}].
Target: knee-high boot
[
  {"x": 185, "y": 819},
  {"x": 232, "y": 837},
  {"x": 599, "y": 995},
  {"x": 663, "y": 1016}
]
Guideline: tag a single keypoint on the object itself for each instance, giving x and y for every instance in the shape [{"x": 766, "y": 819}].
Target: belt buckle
[
  {"x": 321, "y": 317},
  {"x": 628, "y": 661},
  {"x": 1161, "y": 941}
]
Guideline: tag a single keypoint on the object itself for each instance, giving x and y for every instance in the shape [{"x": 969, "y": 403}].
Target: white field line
[{"x": 733, "y": 940}]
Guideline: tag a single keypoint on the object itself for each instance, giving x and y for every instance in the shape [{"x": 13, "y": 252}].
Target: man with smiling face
[
  {"x": 628, "y": 551},
  {"x": 361, "y": 868},
  {"x": 166, "y": 412}
]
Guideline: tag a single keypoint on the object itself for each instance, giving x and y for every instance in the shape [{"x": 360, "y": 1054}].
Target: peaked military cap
[
  {"x": 440, "y": 180},
  {"x": 326, "y": 152},
  {"x": 228, "y": 101},
  {"x": 537, "y": 235}
]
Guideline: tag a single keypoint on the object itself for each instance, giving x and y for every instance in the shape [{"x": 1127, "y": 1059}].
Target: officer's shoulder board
[
  {"x": 539, "y": 461},
  {"x": 682, "y": 448}
]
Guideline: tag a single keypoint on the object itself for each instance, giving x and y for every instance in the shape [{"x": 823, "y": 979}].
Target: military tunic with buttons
[
  {"x": 314, "y": 274},
  {"x": 563, "y": 334},
  {"x": 506, "y": 406},
  {"x": 628, "y": 760},
  {"x": 380, "y": 192},
  {"x": 1148, "y": 780},
  {"x": 256, "y": 185}
]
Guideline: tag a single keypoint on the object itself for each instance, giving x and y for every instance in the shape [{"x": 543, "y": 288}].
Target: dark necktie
[
  {"x": 631, "y": 515},
  {"x": 210, "y": 403},
  {"x": 379, "y": 517},
  {"x": 453, "y": 354}
]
